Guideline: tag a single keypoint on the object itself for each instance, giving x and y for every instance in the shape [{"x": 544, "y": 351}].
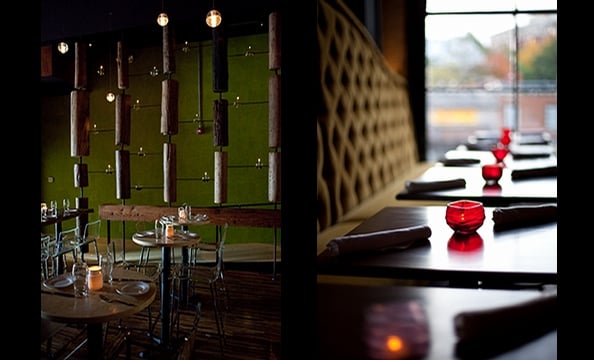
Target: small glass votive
[
  {"x": 492, "y": 172},
  {"x": 500, "y": 152},
  {"x": 465, "y": 216},
  {"x": 170, "y": 231},
  {"x": 95, "y": 277}
]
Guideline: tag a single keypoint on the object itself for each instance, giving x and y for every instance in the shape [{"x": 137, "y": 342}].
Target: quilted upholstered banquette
[{"x": 365, "y": 135}]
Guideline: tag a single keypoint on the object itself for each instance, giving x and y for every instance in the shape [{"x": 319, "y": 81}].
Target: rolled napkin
[
  {"x": 485, "y": 333},
  {"x": 420, "y": 185},
  {"x": 522, "y": 215},
  {"x": 459, "y": 161},
  {"x": 378, "y": 240},
  {"x": 518, "y": 174}
]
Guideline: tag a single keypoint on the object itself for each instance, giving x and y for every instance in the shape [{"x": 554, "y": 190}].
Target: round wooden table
[
  {"x": 60, "y": 305},
  {"x": 180, "y": 239}
]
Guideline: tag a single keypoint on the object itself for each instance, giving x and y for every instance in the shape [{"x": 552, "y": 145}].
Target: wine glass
[{"x": 66, "y": 205}]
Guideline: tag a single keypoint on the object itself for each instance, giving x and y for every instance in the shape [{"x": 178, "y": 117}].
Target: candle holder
[
  {"x": 492, "y": 173},
  {"x": 95, "y": 277},
  {"x": 465, "y": 216},
  {"x": 500, "y": 152}
]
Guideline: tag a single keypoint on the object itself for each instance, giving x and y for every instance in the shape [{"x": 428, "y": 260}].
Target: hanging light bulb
[
  {"x": 63, "y": 47},
  {"x": 213, "y": 18},
  {"x": 162, "y": 19}
]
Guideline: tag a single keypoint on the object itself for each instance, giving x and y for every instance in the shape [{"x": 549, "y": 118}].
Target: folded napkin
[
  {"x": 420, "y": 185},
  {"x": 534, "y": 172},
  {"x": 485, "y": 333},
  {"x": 378, "y": 240},
  {"x": 521, "y": 215},
  {"x": 532, "y": 155},
  {"x": 459, "y": 161}
]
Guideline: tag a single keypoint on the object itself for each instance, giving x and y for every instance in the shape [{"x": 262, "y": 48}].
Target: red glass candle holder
[
  {"x": 465, "y": 216},
  {"x": 505, "y": 136},
  {"x": 500, "y": 152},
  {"x": 492, "y": 172}
]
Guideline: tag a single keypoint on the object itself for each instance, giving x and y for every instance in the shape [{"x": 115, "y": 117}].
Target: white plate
[
  {"x": 146, "y": 233},
  {"x": 133, "y": 288},
  {"x": 58, "y": 282}
]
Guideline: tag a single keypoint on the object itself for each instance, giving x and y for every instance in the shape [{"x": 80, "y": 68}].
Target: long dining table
[
  {"x": 59, "y": 304},
  {"x": 522, "y": 256}
]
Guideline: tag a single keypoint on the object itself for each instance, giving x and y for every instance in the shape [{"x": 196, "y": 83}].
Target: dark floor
[{"x": 252, "y": 325}]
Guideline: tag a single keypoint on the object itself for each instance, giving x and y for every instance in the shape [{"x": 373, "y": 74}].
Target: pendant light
[{"x": 213, "y": 18}]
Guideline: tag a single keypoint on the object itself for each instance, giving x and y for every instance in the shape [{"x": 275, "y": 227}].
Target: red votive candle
[
  {"x": 499, "y": 153},
  {"x": 492, "y": 172},
  {"x": 465, "y": 216}
]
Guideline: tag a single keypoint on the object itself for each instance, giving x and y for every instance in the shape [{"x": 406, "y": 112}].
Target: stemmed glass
[{"x": 66, "y": 205}]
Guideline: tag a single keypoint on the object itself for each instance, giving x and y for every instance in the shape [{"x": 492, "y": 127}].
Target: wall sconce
[
  {"x": 259, "y": 164},
  {"x": 249, "y": 51},
  {"x": 110, "y": 97},
  {"x": 63, "y": 47},
  {"x": 136, "y": 105},
  {"x": 108, "y": 169},
  {"x": 101, "y": 70},
  {"x": 205, "y": 177},
  {"x": 213, "y": 18},
  {"x": 162, "y": 19},
  {"x": 186, "y": 47},
  {"x": 154, "y": 71},
  {"x": 201, "y": 129}
]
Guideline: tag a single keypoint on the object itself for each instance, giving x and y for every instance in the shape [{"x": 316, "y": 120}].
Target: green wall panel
[{"x": 248, "y": 133}]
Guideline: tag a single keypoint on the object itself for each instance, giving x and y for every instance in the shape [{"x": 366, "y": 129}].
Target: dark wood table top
[
  {"x": 508, "y": 191},
  {"x": 521, "y": 255},
  {"x": 345, "y": 313},
  {"x": 63, "y": 216}
]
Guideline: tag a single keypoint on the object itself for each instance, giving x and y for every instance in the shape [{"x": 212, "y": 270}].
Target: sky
[{"x": 482, "y": 26}]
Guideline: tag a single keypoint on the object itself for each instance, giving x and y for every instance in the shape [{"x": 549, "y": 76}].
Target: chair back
[
  {"x": 48, "y": 253},
  {"x": 69, "y": 237},
  {"x": 92, "y": 230}
]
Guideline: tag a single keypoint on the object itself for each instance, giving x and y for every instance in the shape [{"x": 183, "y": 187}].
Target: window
[{"x": 489, "y": 64}]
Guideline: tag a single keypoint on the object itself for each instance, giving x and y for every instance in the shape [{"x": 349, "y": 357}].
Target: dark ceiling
[{"x": 135, "y": 21}]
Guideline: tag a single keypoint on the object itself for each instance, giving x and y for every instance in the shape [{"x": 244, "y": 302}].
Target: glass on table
[
  {"x": 66, "y": 205},
  {"x": 53, "y": 209},
  {"x": 106, "y": 262},
  {"x": 43, "y": 210},
  {"x": 80, "y": 271}
]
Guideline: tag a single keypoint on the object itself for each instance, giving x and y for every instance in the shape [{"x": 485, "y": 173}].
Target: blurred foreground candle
[{"x": 95, "y": 278}]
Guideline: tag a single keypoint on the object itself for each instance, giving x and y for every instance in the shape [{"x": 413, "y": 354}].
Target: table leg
[
  {"x": 184, "y": 276},
  {"x": 165, "y": 296},
  {"x": 95, "y": 341}
]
